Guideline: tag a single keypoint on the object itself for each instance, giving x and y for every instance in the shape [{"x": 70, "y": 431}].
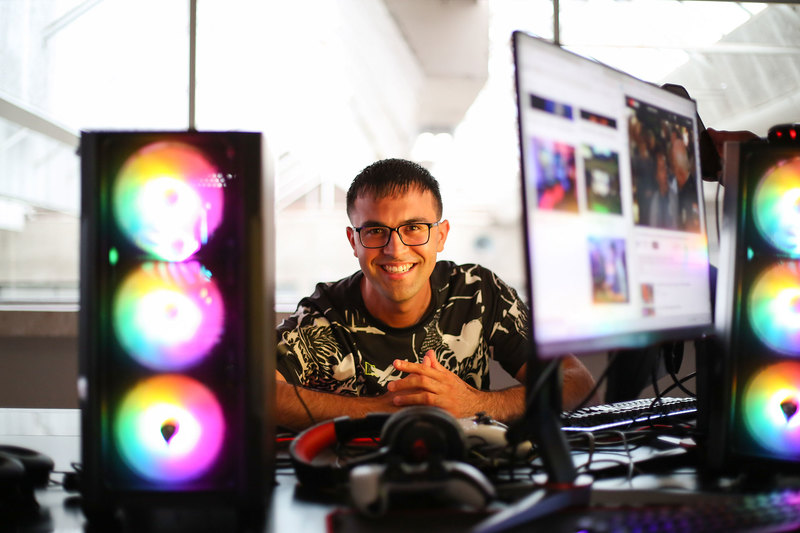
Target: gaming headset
[
  {"x": 21, "y": 472},
  {"x": 419, "y": 457},
  {"x": 311, "y": 450}
]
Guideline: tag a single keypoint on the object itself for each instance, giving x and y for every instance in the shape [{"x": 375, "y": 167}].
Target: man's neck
[{"x": 396, "y": 314}]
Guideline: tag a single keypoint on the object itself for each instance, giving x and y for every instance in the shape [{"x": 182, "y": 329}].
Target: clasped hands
[{"x": 429, "y": 383}]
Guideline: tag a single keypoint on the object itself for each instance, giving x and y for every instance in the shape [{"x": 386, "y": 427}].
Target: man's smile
[{"x": 397, "y": 268}]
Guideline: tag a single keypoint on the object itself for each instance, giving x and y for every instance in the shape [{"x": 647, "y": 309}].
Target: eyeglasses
[{"x": 411, "y": 234}]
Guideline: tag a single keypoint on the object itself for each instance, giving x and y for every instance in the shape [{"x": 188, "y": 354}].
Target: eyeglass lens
[{"x": 410, "y": 235}]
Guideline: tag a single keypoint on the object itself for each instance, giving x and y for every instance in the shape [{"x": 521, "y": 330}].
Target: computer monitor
[
  {"x": 615, "y": 234},
  {"x": 614, "y": 221}
]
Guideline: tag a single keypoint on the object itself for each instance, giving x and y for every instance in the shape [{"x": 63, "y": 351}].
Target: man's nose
[{"x": 394, "y": 241}]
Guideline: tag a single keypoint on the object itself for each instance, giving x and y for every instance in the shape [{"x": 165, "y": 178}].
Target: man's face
[
  {"x": 397, "y": 276},
  {"x": 680, "y": 162}
]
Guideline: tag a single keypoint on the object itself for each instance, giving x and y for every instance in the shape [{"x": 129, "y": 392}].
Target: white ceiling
[
  {"x": 750, "y": 79},
  {"x": 450, "y": 39}
]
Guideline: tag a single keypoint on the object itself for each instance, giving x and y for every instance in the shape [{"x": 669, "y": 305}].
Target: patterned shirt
[{"x": 332, "y": 343}]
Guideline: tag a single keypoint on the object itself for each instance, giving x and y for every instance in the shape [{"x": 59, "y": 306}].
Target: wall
[{"x": 39, "y": 361}]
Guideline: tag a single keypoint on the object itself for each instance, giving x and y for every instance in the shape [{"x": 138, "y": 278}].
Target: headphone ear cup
[
  {"x": 426, "y": 448},
  {"x": 313, "y": 455},
  {"x": 420, "y": 433},
  {"x": 37, "y": 465},
  {"x": 16, "y": 491},
  {"x": 11, "y": 470}
]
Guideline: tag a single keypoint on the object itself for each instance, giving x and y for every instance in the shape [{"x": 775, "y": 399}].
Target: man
[
  {"x": 688, "y": 203},
  {"x": 663, "y": 210},
  {"x": 405, "y": 329}
]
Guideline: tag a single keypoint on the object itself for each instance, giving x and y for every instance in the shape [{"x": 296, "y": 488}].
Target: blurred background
[{"x": 334, "y": 85}]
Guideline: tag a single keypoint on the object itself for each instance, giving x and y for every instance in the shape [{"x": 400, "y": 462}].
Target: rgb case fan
[{"x": 176, "y": 322}]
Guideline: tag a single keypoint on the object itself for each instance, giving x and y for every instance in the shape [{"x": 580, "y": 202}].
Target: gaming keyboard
[
  {"x": 775, "y": 511},
  {"x": 623, "y": 414}
]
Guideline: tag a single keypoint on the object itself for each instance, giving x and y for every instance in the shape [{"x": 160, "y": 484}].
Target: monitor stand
[{"x": 564, "y": 488}]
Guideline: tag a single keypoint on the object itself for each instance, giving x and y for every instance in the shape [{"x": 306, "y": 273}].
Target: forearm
[
  {"x": 577, "y": 383},
  {"x": 296, "y": 414},
  {"x": 504, "y": 405}
]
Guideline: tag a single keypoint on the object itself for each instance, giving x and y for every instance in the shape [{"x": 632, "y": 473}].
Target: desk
[
  {"x": 60, "y": 512},
  {"x": 56, "y": 433}
]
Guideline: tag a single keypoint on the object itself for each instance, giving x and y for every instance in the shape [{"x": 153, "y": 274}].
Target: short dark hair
[{"x": 393, "y": 176}]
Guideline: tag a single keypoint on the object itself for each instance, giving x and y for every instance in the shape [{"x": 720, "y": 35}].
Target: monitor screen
[{"x": 615, "y": 227}]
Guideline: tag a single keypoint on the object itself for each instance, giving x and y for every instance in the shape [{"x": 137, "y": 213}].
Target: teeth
[{"x": 397, "y": 269}]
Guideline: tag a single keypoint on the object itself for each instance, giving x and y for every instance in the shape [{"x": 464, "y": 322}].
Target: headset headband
[{"x": 311, "y": 442}]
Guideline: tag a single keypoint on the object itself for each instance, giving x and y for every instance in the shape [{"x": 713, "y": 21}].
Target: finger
[
  {"x": 415, "y": 398},
  {"x": 435, "y": 364},
  {"x": 413, "y": 368},
  {"x": 415, "y": 382},
  {"x": 429, "y": 359}
]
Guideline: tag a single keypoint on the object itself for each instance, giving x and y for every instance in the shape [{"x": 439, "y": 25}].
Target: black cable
[
  {"x": 625, "y": 439},
  {"x": 679, "y": 382},
  {"x": 609, "y": 439},
  {"x": 673, "y": 356},
  {"x": 656, "y": 393},
  {"x": 533, "y": 393},
  {"x": 597, "y": 384},
  {"x": 716, "y": 210},
  {"x": 305, "y": 406},
  {"x": 591, "y": 448}
]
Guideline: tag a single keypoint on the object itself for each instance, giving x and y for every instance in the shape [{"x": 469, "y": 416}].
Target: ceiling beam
[
  {"x": 18, "y": 113},
  {"x": 716, "y": 48}
]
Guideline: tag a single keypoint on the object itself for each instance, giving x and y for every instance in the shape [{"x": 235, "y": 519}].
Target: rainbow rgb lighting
[
  {"x": 168, "y": 199},
  {"x": 776, "y": 206},
  {"x": 771, "y": 402},
  {"x": 775, "y": 307},
  {"x": 168, "y": 316},
  {"x": 169, "y": 429}
]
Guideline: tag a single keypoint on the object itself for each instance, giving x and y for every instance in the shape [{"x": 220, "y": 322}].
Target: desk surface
[
  {"x": 60, "y": 511},
  {"x": 56, "y": 433}
]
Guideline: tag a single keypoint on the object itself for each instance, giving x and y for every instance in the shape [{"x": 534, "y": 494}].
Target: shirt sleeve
[
  {"x": 510, "y": 334},
  {"x": 288, "y": 336},
  {"x": 305, "y": 344},
  {"x": 312, "y": 351}
]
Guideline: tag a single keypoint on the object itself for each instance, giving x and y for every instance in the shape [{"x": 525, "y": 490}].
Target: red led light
[{"x": 793, "y": 134}]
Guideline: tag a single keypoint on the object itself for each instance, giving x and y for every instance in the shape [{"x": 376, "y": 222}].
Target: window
[
  {"x": 71, "y": 65},
  {"x": 335, "y": 86}
]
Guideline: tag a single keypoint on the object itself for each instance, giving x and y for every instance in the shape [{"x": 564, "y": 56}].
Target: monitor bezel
[{"x": 618, "y": 340}]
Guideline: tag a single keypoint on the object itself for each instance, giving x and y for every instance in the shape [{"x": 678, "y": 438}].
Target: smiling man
[{"x": 406, "y": 329}]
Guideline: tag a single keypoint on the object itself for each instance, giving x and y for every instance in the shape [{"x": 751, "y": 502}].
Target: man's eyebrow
[{"x": 414, "y": 220}]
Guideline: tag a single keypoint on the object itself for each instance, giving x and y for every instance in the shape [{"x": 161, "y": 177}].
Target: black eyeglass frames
[{"x": 411, "y": 234}]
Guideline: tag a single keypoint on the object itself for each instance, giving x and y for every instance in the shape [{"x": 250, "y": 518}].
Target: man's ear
[
  {"x": 443, "y": 229},
  {"x": 351, "y": 236}
]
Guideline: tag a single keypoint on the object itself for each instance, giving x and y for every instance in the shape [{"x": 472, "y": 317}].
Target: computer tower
[
  {"x": 176, "y": 325},
  {"x": 751, "y": 378}
]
